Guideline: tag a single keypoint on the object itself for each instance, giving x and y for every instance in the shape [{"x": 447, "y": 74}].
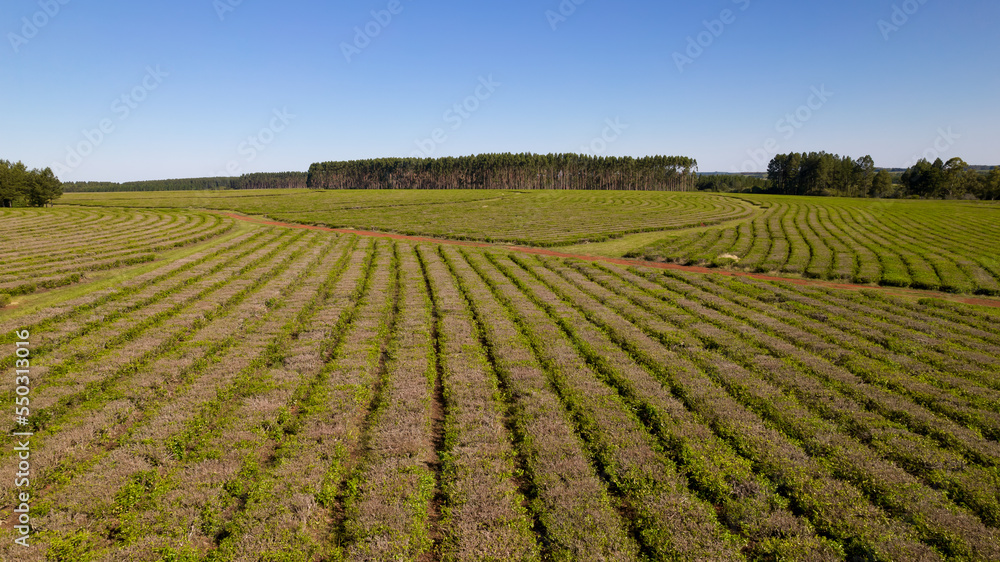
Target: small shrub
[{"x": 4, "y": 300}]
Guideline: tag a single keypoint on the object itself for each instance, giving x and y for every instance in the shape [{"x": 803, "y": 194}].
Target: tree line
[
  {"x": 510, "y": 171},
  {"x": 20, "y": 186},
  {"x": 821, "y": 173},
  {"x": 732, "y": 183},
  {"x": 261, "y": 180},
  {"x": 953, "y": 179}
]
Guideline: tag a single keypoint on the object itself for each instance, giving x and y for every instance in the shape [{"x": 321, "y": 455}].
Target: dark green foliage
[
  {"x": 820, "y": 173},
  {"x": 953, "y": 179},
  {"x": 509, "y": 171},
  {"x": 882, "y": 185},
  {"x": 731, "y": 183},
  {"x": 263, "y": 180},
  {"x": 20, "y": 186},
  {"x": 267, "y": 180},
  {"x": 991, "y": 185},
  {"x": 189, "y": 184},
  {"x": 924, "y": 179}
]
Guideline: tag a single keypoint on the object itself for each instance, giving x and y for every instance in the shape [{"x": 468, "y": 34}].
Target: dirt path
[{"x": 912, "y": 293}]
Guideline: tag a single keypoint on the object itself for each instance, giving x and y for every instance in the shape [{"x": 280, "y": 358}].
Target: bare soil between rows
[{"x": 913, "y": 293}]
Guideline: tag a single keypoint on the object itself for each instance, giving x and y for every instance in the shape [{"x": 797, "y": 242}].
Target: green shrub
[{"x": 4, "y": 299}]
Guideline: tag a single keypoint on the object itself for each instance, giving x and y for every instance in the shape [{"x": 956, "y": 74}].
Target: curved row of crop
[
  {"x": 63, "y": 248},
  {"x": 300, "y": 395},
  {"x": 907, "y": 244},
  {"x": 536, "y": 218}
]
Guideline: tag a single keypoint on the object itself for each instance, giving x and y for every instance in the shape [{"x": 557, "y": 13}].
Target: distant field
[
  {"x": 941, "y": 245},
  {"x": 283, "y": 394},
  {"x": 543, "y": 218}
]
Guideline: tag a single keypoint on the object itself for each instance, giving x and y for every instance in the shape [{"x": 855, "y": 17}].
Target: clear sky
[{"x": 120, "y": 91}]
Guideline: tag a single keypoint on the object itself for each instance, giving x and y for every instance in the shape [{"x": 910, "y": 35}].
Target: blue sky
[{"x": 185, "y": 88}]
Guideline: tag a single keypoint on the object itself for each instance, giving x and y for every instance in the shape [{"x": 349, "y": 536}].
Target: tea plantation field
[
  {"x": 271, "y": 393},
  {"x": 938, "y": 245}
]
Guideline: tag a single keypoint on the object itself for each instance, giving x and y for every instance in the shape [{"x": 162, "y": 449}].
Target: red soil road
[{"x": 913, "y": 293}]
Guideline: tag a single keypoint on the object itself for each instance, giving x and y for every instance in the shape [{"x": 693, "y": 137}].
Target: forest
[
  {"x": 262, "y": 180},
  {"x": 510, "y": 171},
  {"x": 732, "y": 183},
  {"x": 821, "y": 173},
  {"x": 813, "y": 173},
  {"x": 20, "y": 186}
]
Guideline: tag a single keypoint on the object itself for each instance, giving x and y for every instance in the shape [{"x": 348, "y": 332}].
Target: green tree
[
  {"x": 958, "y": 179},
  {"x": 992, "y": 185},
  {"x": 816, "y": 173},
  {"x": 777, "y": 173},
  {"x": 882, "y": 184},
  {"x": 13, "y": 182},
  {"x": 509, "y": 171},
  {"x": 34, "y": 187},
  {"x": 42, "y": 187},
  {"x": 7, "y": 191},
  {"x": 864, "y": 176},
  {"x": 924, "y": 179}
]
